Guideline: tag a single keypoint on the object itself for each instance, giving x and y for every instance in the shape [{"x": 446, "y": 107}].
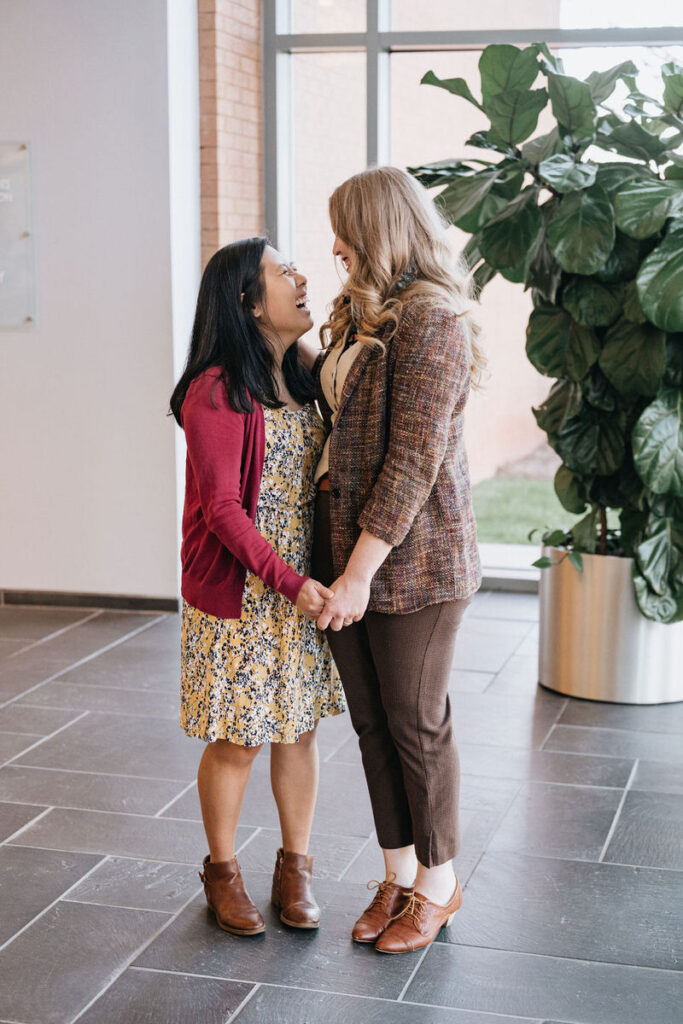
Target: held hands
[
  {"x": 312, "y": 597},
  {"x": 347, "y": 604}
]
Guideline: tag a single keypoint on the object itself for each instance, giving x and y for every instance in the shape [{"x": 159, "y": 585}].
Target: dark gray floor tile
[
  {"x": 558, "y": 821},
  {"x": 34, "y": 720},
  {"x": 331, "y": 854},
  {"x": 332, "y": 732},
  {"x": 569, "y": 908},
  {"x": 649, "y": 831},
  {"x": 348, "y": 753},
  {"x": 486, "y": 644},
  {"x": 83, "y": 789},
  {"x": 616, "y": 743},
  {"x": 126, "y": 835},
  {"x": 519, "y": 675},
  {"x": 273, "y": 1005},
  {"x": 31, "y": 880},
  {"x": 462, "y": 681},
  {"x": 493, "y": 981},
  {"x": 544, "y": 766},
  {"x": 79, "y": 948},
  {"x": 504, "y": 720},
  {"x": 15, "y": 816},
  {"x": 499, "y": 605},
  {"x": 323, "y": 959},
  {"x": 148, "y": 660},
  {"x": 59, "y": 694},
  {"x": 641, "y": 718},
  {"x": 31, "y": 624},
  {"x": 150, "y": 997},
  {"x": 658, "y": 777},
  {"x": 140, "y": 884},
  {"x": 9, "y": 647},
  {"x": 121, "y": 745},
  {"x": 12, "y": 743}
]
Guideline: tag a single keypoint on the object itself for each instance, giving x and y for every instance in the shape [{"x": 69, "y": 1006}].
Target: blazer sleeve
[
  {"x": 215, "y": 437},
  {"x": 431, "y": 376}
]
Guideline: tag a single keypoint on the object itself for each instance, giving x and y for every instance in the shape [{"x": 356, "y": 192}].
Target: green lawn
[{"x": 508, "y": 507}]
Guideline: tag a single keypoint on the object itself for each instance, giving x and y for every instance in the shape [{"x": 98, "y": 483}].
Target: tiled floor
[{"x": 572, "y": 853}]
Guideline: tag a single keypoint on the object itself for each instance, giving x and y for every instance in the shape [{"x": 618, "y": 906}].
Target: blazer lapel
[{"x": 355, "y": 373}]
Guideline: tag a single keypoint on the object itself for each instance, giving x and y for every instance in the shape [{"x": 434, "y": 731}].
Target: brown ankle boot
[
  {"x": 292, "y": 890},
  {"x": 229, "y": 900}
]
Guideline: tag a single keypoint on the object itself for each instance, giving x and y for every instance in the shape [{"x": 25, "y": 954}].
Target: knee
[{"x": 226, "y": 752}]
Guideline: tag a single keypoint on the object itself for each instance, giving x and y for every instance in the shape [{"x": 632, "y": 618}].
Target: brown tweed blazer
[{"x": 398, "y": 466}]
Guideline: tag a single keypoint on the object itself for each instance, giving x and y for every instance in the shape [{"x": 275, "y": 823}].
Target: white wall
[{"x": 88, "y": 456}]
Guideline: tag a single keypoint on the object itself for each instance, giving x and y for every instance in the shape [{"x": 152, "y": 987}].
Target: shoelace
[
  {"x": 413, "y": 909},
  {"x": 382, "y": 888}
]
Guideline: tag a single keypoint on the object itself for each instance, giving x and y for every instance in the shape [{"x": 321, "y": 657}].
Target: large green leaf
[
  {"x": 570, "y": 490},
  {"x": 463, "y": 195},
  {"x": 481, "y": 277},
  {"x": 674, "y": 361},
  {"x": 660, "y": 553},
  {"x": 457, "y": 86},
  {"x": 542, "y": 147},
  {"x": 507, "y": 238},
  {"x": 563, "y": 402},
  {"x": 658, "y": 443},
  {"x": 581, "y": 232},
  {"x": 602, "y": 83},
  {"x": 504, "y": 68},
  {"x": 559, "y": 347},
  {"x": 482, "y": 213},
  {"x": 541, "y": 270},
  {"x": 573, "y": 106},
  {"x": 442, "y": 172},
  {"x": 632, "y": 308},
  {"x": 565, "y": 175},
  {"x": 613, "y": 176},
  {"x": 660, "y": 282},
  {"x": 672, "y": 74},
  {"x": 623, "y": 262},
  {"x": 514, "y": 115},
  {"x": 593, "y": 442},
  {"x": 642, "y": 207},
  {"x": 591, "y": 303},
  {"x": 629, "y": 139},
  {"x": 598, "y": 391},
  {"x": 667, "y": 607},
  {"x": 633, "y": 357},
  {"x": 482, "y": 140}
]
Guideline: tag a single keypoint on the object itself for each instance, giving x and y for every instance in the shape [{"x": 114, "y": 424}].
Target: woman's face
[
  {"x": 284, "y": 307},
  {"x": 344, "y": 252}
]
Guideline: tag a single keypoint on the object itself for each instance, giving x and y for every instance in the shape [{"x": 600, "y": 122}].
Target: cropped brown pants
[{"x": 395, "y": 671}]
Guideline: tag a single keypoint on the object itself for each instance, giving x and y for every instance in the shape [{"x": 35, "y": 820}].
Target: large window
[{"x": 342, "y": 88}]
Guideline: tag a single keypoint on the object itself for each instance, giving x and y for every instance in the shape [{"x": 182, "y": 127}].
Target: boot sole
[{"x": 241, "y": 931}]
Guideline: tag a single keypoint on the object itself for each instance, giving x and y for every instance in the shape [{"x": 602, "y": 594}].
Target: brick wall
[{"x": 231, "y": 119}]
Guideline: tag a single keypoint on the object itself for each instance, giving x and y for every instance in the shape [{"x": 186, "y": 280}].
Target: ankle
[{"x": 437, "y": 886}]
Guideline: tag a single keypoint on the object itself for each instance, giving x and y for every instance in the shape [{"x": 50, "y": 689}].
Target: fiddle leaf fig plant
[{"x": 588, "y": 216}]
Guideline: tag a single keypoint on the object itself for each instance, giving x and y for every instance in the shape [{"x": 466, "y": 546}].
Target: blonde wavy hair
[{"x": 396, "y": 233}]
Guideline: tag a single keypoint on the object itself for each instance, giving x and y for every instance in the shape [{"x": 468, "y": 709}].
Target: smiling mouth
[{"x": 302, "y": 303}]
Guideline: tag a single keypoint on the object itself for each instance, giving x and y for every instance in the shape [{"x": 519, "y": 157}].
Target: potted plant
[{"x": 599, "y": 242}]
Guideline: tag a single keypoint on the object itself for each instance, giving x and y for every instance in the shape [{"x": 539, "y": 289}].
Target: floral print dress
[{"x": 268, "y": 676}]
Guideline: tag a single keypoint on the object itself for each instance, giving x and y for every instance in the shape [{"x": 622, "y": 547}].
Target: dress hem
[{"x": 268, "y": 739}]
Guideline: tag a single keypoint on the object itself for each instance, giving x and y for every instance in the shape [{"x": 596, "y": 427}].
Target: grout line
[
  {"x": 119, "y": 906},
  {"x": 102, "y": 860},
  {"x": 88, "y": 657},
  {"x": 33, "y": 821},
  {"x": 233, "y": 1016},
  {"x": 338, "y": 747},
  {"x": 356, "y": 856},
  {"x": 42, "y": 739},
  {"x": 100, "y": 711},
  {"x": 618, "y": 811},
  {"x": 57, "y": 632},
  {"x": 417, "y": 967},
  {"x": 561, "y": 711},
  {"x": 84, "y": 771},
  {"x": 173, "y": 799},
  {"x": 242, "y": 846}
]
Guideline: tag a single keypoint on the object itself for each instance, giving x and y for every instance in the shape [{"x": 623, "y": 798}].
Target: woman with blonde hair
[{"x": 395, "y": 535}]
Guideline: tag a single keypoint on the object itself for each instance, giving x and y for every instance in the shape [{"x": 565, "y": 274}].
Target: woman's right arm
[{"x": 215, "y": 436}]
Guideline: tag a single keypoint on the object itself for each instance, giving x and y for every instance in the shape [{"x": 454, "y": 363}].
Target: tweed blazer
[{"x": 398, "y": 466}]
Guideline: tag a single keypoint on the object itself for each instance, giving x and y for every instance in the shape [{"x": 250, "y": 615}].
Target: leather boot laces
[
  {"x": 413, "y": 910},
  {"x": 380, "y": 897}
]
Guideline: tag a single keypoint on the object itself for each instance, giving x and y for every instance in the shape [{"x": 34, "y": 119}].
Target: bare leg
[
  {"x": 294, "y": 779},
  {"x": 222, "y": 779},
  {"x": 402, "y": 863},
  {"x": 436, "y": 883}
]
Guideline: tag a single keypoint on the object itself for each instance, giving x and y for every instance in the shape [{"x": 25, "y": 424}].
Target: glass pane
[
  {"x": 329, "y": 126},
  {"x": 429, "y": 124},
  {"x": 327, "y": 16},
  {"x": 446, "y": 15}
]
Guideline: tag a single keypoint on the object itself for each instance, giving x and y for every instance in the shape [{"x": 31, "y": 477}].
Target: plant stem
[{"x": 603, "y": 531}]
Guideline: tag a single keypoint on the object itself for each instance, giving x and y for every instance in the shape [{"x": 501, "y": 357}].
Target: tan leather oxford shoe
[
  {"x": 419, "y": 923},
  {"x": 389, "y": 901}
]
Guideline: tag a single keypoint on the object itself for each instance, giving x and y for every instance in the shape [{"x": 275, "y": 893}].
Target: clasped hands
[{"x": 345, "y": 602}]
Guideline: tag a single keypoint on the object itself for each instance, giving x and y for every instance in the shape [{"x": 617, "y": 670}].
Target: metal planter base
[{"x": 594, "y": 641}]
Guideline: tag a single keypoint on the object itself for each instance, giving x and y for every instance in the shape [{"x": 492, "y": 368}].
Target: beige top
[{"x": 333, "y": 374}]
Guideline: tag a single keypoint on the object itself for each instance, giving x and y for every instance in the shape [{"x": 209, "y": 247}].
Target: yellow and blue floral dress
[{"x": 268, "y": 676}]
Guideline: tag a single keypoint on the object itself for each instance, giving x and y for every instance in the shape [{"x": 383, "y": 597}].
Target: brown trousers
[{"x": 395, "y": 670}]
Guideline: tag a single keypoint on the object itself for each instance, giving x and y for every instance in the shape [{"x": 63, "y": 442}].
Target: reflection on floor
[{"x": 571, "y": 858}]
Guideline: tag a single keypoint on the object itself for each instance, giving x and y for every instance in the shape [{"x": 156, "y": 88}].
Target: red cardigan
[{"x": 225, "y": 452}]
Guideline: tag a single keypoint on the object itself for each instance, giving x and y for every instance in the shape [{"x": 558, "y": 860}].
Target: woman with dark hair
[{"x": 254, "y": 667}]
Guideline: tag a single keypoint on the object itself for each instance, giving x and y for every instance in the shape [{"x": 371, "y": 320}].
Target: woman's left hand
[{"x": 351, "y": 596}]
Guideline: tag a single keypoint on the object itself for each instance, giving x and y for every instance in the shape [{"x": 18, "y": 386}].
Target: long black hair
[{"x": 226, "y": 334}]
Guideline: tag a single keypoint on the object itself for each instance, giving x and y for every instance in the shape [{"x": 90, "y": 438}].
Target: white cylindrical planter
[{"x": 594, "y": 641}]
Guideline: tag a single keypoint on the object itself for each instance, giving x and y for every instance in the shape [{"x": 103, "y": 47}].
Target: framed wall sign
[{"x": 17, "y": 275}]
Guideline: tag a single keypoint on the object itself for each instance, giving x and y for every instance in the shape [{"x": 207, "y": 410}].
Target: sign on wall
[{"x": 17, "y": 281}]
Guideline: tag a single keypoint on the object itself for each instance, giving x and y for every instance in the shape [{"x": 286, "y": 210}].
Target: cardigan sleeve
[
  {"x": 215, "y": 435},
  {"x": 431, "y": 376}
]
